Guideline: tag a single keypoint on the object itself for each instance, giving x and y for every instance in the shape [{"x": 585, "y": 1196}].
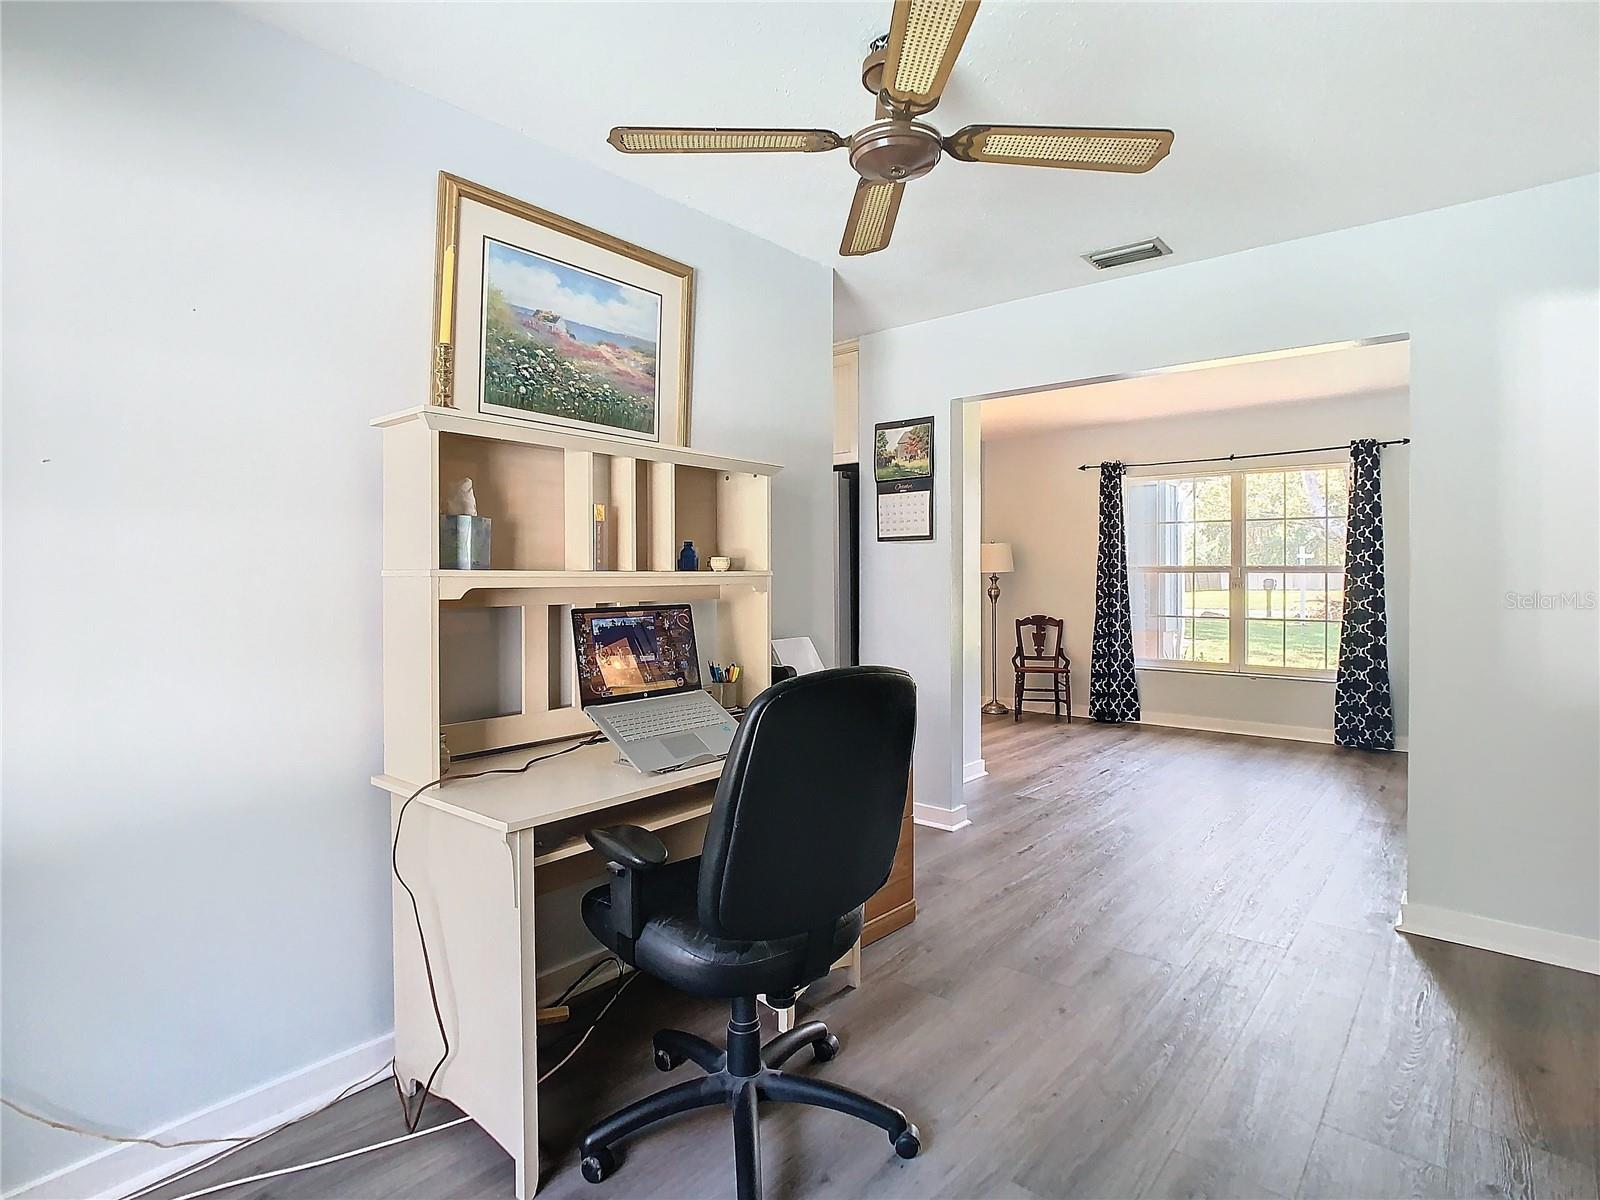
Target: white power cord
[
  {"x": 405, "y": 1137},
  {"x": 237, "y": 1142},
  {"x": 242, "y": 1143},
  {"x": 593, "y": 1025},
  {"x": 321, "y": 1162}
]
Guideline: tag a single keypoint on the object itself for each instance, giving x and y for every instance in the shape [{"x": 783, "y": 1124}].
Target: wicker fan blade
[
  {"x": 872, "y": 215},
  {"x": 924, "y": 38},
  {"x": 1131, "y": 151},
  {"x": 645, "y": 140}
]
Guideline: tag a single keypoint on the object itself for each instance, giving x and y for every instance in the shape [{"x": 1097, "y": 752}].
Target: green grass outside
[
  {"x": 1267, "y": 644},
  {"x": 1256, "y": 602}
]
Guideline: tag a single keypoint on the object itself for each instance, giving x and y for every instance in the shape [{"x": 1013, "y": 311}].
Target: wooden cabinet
[
  {"x": 895, "y": 903},
  {"x": 846, "y": 359}
]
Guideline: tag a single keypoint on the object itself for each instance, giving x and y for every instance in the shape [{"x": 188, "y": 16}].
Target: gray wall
[{"x": 218, "y": 265}]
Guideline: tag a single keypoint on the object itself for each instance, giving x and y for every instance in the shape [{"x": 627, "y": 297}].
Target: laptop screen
[{"x": 630, "y": 653}]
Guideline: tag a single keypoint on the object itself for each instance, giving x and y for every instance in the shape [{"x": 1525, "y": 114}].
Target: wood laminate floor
[{"x": 1159, "y": 964}]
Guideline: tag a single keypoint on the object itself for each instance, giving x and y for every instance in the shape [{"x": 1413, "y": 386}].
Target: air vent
[{"x": 1121, "y": 256}]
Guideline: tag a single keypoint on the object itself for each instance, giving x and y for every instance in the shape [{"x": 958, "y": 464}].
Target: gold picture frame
[{"x": 505, "y": 234}]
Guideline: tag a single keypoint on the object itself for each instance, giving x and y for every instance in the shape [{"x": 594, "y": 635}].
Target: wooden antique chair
[{"x": 1042, "y": 654}]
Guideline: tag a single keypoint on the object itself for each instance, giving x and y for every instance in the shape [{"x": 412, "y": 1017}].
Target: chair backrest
[
  {"x": 1043, "y": 642},
  {"x": 808, "y": 810}
]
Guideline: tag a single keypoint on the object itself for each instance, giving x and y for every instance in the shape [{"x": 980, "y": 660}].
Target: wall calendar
[{"x": 902, "y": 465}]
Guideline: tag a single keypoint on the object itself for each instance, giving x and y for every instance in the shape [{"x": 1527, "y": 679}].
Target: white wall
[
  {"x": 971, "y": 597},
  {"x": 217, "y": 266},
  {"x": 1500, "y": 300},
  {"x": 1035, "y": 498}
]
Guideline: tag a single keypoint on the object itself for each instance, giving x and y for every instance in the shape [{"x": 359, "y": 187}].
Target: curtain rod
[{"x": 1183, "y": 462}]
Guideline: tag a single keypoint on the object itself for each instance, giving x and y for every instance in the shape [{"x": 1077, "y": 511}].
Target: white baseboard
[
  {"x": 976, "y": 769},
  {"x": 121, "y": 1169},
  {"x": 1292, "y": 733},
  {"x": 1503, "y": 937},
  {"x": 947, "y": 819}
]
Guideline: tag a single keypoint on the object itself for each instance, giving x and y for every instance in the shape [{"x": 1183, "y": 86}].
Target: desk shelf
[
  {"x": 487, "y": 680},
  {"x": 563, "y": 856},
  {"x": 454, "y": 585},
  {"x": 507, "y": 429},
  {"x": 542, "y": 489},
  {"x": 548, "y": 793},
  {"x": 558, "y": 843}
]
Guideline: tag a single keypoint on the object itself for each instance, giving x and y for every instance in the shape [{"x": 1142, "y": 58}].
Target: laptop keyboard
[{"x": 676, "y": 714}]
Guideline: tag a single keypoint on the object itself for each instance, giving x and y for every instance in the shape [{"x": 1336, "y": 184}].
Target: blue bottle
[{"x": 688, "y": 560}]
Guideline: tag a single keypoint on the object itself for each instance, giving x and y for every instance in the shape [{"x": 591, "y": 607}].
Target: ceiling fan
[{"x": 907, "y": 71}]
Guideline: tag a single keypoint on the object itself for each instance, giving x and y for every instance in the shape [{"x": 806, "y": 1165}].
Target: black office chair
[{"x": 803, "y": 831}]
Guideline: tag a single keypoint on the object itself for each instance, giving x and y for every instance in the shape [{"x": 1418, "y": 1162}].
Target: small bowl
[{"x": 720, "y": 562}]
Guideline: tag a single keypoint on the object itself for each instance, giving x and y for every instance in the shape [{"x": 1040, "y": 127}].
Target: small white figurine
[{"x": 462, "y": 502}]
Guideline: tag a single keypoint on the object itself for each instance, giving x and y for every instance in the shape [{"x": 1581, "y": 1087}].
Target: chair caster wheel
[
  {"x": 600, "y": 1165},
  {"x": 908, "y": 1144},
  {"x": 826, "y": 1050},
  {"x": 667, "y": 1061}
]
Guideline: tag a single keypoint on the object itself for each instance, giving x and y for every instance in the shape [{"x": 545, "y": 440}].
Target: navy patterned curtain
[
  {"x": 1363, "y": 710},
  {"x": 1113, "y": 687}
]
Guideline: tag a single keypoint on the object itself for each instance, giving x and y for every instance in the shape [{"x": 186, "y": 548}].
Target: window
[{"x": 1238, "y": 570}]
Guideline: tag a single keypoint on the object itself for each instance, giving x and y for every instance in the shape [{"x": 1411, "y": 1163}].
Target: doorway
[{"x": 1234, "y": 633}]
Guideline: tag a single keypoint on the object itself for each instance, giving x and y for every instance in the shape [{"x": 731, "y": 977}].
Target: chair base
[
  {"x": 742, "y": 1076},
  {"x": 1054, "y": 694}
]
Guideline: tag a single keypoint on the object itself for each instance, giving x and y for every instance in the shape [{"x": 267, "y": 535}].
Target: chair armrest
[
  {"x": 630, "y": 846},
  {"x": 631, "y": 851}
]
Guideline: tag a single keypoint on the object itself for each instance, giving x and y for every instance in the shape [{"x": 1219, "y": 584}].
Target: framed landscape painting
[{"x": 544, "y": 320}]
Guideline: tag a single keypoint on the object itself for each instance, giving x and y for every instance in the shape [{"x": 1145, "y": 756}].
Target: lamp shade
[{"x": 995, "y": 558}]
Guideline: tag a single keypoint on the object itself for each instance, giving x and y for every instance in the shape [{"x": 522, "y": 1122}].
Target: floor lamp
[{"x": 994, "y": 558}]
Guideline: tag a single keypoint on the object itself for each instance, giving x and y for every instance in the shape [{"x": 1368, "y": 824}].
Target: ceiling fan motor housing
[{"x": 894, "y": 151}]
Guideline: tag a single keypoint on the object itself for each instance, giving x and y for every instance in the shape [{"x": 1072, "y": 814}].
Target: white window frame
[{"x": 1236, "y": 571}]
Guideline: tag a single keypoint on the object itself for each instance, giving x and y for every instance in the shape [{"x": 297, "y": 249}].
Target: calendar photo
[{"x": 903, "y": 450}]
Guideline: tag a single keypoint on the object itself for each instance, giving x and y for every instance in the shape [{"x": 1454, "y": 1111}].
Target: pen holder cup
[
  {"x": 725, "y": 694},
  {"x": 464, "y": 543}
]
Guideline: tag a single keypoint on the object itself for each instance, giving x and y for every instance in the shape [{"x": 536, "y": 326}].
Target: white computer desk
[{"x": 479, "y": 853}]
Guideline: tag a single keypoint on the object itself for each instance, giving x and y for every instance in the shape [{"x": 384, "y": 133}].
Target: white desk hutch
[{"x": 481, "y": 852}]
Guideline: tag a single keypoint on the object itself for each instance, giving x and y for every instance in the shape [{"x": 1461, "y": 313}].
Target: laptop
[{"x": 639, "y": 681}]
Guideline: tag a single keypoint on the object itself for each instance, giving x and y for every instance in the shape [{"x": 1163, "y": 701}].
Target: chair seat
[
  {"x": 673, "y": 947},
  {"x": 1049, "y": 670}
]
